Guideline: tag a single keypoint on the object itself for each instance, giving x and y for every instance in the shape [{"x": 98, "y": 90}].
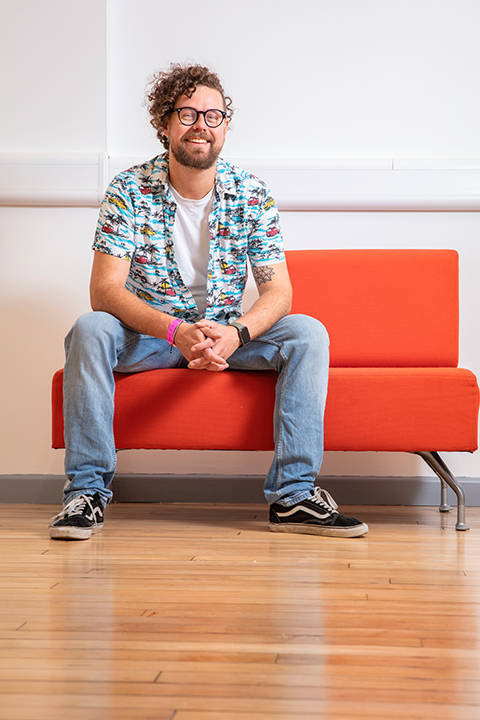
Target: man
[{"x": 171, "y": 249}]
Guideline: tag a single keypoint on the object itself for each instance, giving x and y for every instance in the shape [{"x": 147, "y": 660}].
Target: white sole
[
  {"x": 327, "y": 531},
  {"x": 74, "y": 533}
]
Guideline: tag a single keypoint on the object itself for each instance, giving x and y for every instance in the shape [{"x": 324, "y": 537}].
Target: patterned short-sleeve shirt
[{"x": 136, "y": 223}]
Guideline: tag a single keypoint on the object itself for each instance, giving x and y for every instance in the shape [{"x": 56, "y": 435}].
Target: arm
[
  {"x": 273, "y": 303},
  {"x": 109, "y": 294}
]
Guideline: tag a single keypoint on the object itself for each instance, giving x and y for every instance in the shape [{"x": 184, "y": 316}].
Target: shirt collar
[{"x": 224, "y": 183}]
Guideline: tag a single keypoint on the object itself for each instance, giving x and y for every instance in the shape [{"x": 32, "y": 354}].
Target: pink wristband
[{"x": 171, "y": 330}]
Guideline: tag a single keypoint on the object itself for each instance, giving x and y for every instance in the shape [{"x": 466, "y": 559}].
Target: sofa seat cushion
[
  {"x": 402, "y": 409},
  {"x": 390, "y": 409},
  {"x": 182, "y": 409}
]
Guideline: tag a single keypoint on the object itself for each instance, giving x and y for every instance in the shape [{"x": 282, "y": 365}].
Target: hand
[
  {"x": 220, "y": 342},
  {"x": 191, "y": 341}
]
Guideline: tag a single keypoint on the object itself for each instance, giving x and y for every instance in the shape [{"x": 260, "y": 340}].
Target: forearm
[
  {"x": 267, "y": 310},
  {"x": 130, "y": 310}
]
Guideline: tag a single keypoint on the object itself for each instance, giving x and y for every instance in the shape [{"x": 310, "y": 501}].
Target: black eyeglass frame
[{"x": 200, "y": 112}]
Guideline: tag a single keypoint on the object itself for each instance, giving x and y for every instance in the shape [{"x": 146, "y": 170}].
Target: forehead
[{"x": 203, "y": 98}]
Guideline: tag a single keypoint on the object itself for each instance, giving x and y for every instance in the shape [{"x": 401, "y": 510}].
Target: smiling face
[{"x": 196, "y": 146}]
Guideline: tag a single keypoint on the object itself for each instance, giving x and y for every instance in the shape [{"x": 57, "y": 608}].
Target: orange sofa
[{"x": 392, "y": 317}]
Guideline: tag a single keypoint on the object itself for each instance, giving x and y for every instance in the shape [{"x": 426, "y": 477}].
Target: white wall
[
  {"x": 380, "y": 81},
  {"x": 53, "y": 76},
  {"x": 331, "y": 78}
]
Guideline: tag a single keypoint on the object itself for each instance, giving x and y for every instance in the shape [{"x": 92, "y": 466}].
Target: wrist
[
  {"x": 234, "y": 336},
  {"x": 172, "y": 330}
]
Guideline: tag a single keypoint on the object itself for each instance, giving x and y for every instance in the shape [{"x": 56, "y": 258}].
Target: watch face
[
  {"x": 243, "y": 332},
  {"x": 245, "y": 335}
]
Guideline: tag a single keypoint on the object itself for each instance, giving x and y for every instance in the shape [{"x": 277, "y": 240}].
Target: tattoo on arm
[{"x": 263, "y": 274}]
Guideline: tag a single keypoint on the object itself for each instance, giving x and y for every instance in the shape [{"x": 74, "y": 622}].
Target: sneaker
[
  {"x": 79, "y": 519},
  {"x": 316, "y": 515}
]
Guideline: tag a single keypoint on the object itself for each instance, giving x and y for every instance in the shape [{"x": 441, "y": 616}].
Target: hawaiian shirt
[{"x": 136, "y": 223}]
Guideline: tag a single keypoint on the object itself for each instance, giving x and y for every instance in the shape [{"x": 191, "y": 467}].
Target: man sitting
[{"x": 171, "y": 249}]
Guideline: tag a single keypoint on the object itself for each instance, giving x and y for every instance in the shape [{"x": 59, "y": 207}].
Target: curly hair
[{"x": 166, "y": 88}]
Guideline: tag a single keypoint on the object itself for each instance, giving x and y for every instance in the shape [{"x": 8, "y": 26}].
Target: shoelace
[
  {"x": 328, "y": 503},
  {"x": 75, "y": 507}
]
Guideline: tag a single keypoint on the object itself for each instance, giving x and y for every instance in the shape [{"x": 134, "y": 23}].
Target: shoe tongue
[{"x": 323, "y": 497}]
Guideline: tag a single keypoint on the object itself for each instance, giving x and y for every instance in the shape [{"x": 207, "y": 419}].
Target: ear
[{"x": 166, "y": 127}]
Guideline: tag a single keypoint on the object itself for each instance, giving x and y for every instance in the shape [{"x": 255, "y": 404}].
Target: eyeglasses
[{"x": 189, "y": 116}]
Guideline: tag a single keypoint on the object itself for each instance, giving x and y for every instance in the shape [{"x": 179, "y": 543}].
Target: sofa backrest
[{"x": 382, "y": 308}]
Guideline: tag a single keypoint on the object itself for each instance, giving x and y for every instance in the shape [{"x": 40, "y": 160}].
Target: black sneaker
[
  {"x": 79, "y": 519},
  {"x": 315, "y": 516}
]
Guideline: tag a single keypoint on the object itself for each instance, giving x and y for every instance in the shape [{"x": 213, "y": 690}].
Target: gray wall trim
[{"x": 47, "y": 489}]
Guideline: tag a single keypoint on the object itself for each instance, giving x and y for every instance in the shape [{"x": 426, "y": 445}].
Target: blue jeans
[{"x": 296, "y": 347}]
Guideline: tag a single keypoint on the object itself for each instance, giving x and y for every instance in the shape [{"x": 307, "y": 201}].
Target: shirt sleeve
[
  {"x": 265, "y": 241},
  {"x": 115, "y": 233}
]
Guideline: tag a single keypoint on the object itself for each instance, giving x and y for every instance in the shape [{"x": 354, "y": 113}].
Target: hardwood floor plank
[
  {"x": 282, "y": 692},
  {"x": 20, "y": 712},
  {"x": 215, "y": 645},
  {"x": 105, "y": 699},
  {"x": 429, "y": 669},
  {"x": 340, "y": 711},
  {"x": 407, "y": 622}
]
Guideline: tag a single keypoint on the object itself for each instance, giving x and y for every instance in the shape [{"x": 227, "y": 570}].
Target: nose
[{"x": 200, "y": 121}]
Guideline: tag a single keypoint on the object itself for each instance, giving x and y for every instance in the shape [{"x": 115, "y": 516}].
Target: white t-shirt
[{"x": 191, "y": 238}]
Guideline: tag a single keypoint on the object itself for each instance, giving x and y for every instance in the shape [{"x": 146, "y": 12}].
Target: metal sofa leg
[
  {"x": 440, "y": 469},
  {"x": 444, "y": 504}
]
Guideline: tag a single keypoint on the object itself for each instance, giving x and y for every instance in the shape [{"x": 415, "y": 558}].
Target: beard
[{"x": 190, "y": 157}]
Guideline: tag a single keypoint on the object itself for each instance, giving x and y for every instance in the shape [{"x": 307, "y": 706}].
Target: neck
[{"x": 190, "y": 183}]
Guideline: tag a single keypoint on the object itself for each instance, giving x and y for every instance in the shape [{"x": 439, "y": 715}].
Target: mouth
[{"x": 198, "y": 140}]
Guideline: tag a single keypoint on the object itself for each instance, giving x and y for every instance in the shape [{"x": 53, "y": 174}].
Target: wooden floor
[{"x": 196, "y": 612}]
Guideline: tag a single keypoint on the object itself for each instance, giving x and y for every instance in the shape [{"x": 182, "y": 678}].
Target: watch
[{"x": 243, "y": 333}]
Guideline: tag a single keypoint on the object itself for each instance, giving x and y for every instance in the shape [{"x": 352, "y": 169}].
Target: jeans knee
[
  {"x": 90, "y": 327},
  {"x": 310, "y": 331}
]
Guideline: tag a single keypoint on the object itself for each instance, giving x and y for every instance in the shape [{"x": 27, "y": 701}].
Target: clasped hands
[{"x": 207, "y": 344}]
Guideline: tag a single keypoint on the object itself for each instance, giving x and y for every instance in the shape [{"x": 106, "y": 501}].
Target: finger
[
  {"x": 213, "y": 357},
  {"x": 207, "y": 343},
  {"x": 211, "y": 332},
  {"x": 198, "y": 364},
  {"x": 214, "y": 367},
  {"x": 202, "y": 324},
  {"x": 203, "y": 361}
]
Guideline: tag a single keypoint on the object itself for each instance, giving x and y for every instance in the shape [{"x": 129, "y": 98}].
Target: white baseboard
[{"x": 47, "y": 489}]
